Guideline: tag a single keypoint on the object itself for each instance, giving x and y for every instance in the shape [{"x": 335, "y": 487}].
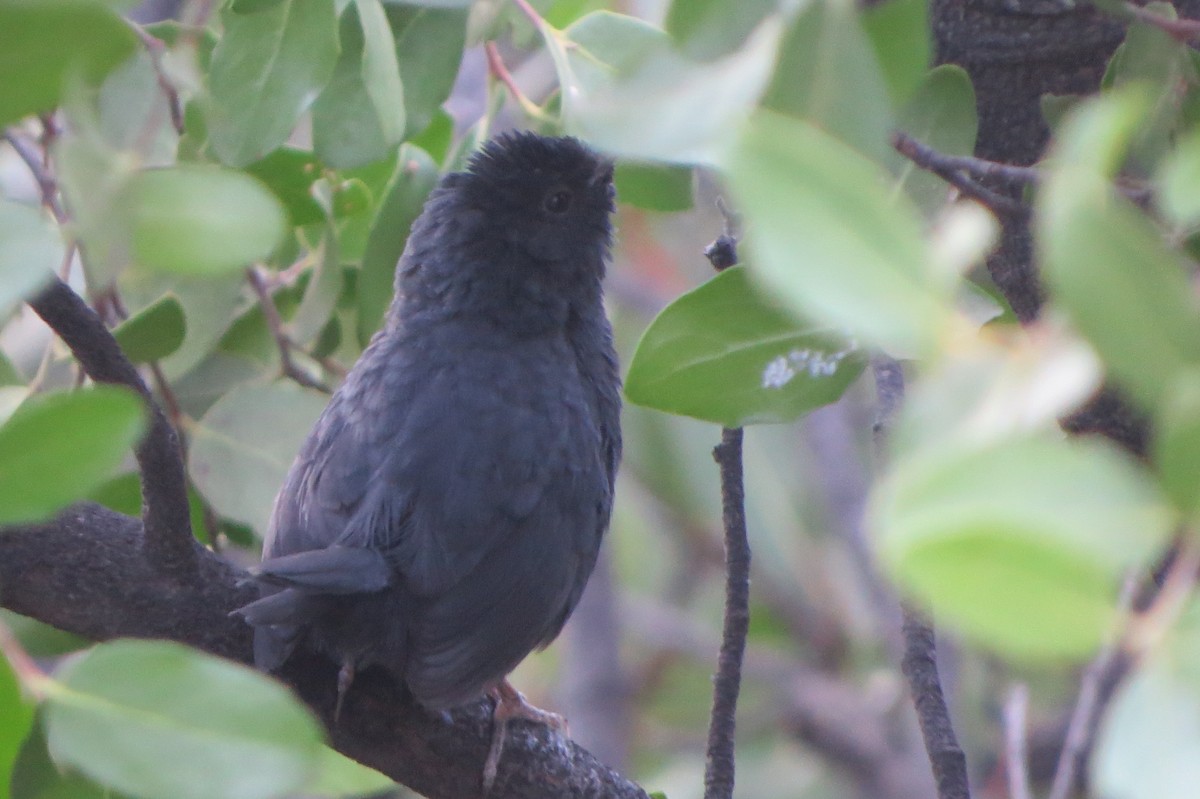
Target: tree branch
[
  {"x": 87, "y": 572},
  {"x": 920, "y": 669},
  {"x": 719, "y": 771},
  {"x": 168, "y": 529},
  {"x": 958, "y": 171}
]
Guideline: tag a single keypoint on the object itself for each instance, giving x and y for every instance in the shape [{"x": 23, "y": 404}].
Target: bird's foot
[
  {"x": 510, "y": 704},
  {"x": 345, "y": 679}
]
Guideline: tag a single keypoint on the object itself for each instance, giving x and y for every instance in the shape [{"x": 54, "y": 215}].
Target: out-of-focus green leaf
[
  {"x": 625, "y": 90},
  {"x": 723, "y": 354},
  {"x": 1176, "y": 449},
  {"x": 126, "y": 708},
  {"x": 133, "y": 113},
  {"x": 899, "y": 33},
  {"x": 49, "y": 43},
  {"x": 827, "y": 240},
  {"x": 654, "y": 187},
  {"x": 267, "y": 69},
  {"x": 429, "y": 46},
  {"x": 201, "y": 220},
  {"x": 708, "y": 29},
  {"x": 1177, "y": 180},
  {"x": 432, "y": 3},
  {"x": 92, "y": 177},
  {"x": 154, "y": 332},
  {"x": 1148, "y": 744},
  {"x": 321, "y": 294},
  {"x": 57, "y": 447},
  {"x": 1110, "y": 270},
  {"x": 414, "y": 178},
  {"x": 243, "y": 446},
  {"x": 1020, "y": 544},
  {"x": 941, "y": 114},
  {"x": 16, "y": 719},
  {"x": 1157, "y": 62},
  {"x": 828, "y": 75},
  {"x": 290, "y": 174},
  {"x": 339, "y": 776},
  {"x": 31, "y": 249},
  {"x": 36, "y": 776},
  {"x": 360, "y": 114},
  {"x": 999, "y": 388}
]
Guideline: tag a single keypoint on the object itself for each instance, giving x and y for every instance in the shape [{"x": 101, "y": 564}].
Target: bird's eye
[{"x": 557, "y": 202}]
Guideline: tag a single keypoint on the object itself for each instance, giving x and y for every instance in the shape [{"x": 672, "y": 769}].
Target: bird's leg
[
  {"x": 510, "y": 704},
  {"x": 344, "y": 681}
]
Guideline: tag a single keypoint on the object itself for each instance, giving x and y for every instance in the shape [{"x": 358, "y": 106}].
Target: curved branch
[
  {"x": 168, "y": 527},
  {"x": 87, "y": 572}
]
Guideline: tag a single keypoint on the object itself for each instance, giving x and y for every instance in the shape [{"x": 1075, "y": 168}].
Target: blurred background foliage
[{"x": 230, "y": 185}]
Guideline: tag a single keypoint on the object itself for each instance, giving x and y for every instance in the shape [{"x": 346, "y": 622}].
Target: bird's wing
[{"x": 472, "y": 467}]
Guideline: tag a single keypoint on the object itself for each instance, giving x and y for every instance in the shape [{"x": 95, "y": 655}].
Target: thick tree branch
[
  {"x": 168, "y": 530},
  {"x": 87, "y": 572}
]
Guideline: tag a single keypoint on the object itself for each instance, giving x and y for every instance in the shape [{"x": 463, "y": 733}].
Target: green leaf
[
  {"x": 708, "y": 29},
  {"x": 723, "y": 354},
  {"x": 154, "y": 332},
  {"x": 429, "y": 48},
  {"x": 133, "y": 114},
  {"x": 290, "y": 174},
  {"x": 1154, "y": 61},
  {"x": 415, "y": 176},
  {"x": 50, "y": 43},
  {"x": 125, "y": 709},
  {"x": 339, "y": 776},
  {"x": 92, "y": 177},
  {"x": 31, "y": 249},
  {"x": 359, "y": 116},
  {"x": 16, "y": 719},
  {"x": 828, "y": 75},
  {"x": 1148, "y": 743},
  {"x": 201, "y": 220},
  {"x": 321, "y": 294},
  {"x": 432, "y": 3},
  {"x": 940, "y": 114},
  {"x": 1123, "y": 288},
  {"x": 625, "y": 90},
  {"x": 79, "y": 437},
  {"x": 1176, "y": 181},
  {"x": 828, "y": 241},
  {"x": 899, "y": 33},
  {"x": 1020, "y": 544},
  {"x": 1176, "y": 449},
  {"x": 245, "y": 443},
  {"x": 267, "y": 69},
  {"x": 654, "y": 187}
]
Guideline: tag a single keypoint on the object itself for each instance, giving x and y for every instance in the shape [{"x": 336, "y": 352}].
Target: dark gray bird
[{"x": 445, "y": 513}]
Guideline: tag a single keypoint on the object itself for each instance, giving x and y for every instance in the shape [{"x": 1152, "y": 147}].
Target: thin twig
[
  {"x": 28, "y": 673},
  {"x": 919, "y": 662},
  {"x": 719, "y": 770},
  {"x": 958, "y": 171},
  {"x": 282, "y": 341},
  {"x": 1183, "y": 30},
  {"x": 47, "y": 186},
  {"x": 530, "y": 12},
  {"x": 1088, "y": 705},
  {"x": 1016, "y": 742},
  {"x": 500, "y": 72},
  {"x": 155, "y": 48},
  {"x": 921, "y": 670},
  {"x": 168, "y": 539}
]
